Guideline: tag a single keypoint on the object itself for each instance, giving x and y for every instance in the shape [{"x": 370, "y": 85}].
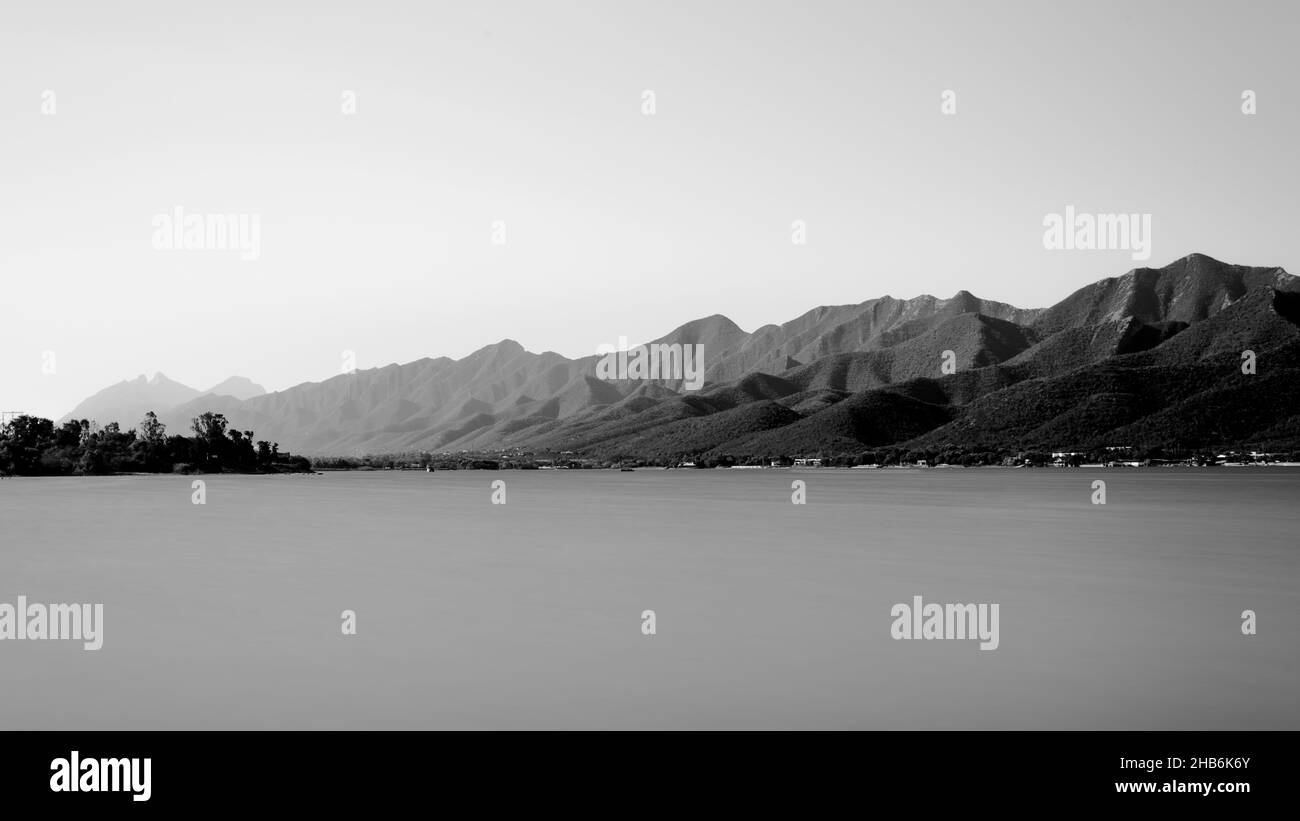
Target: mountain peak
[
  {"x": 240, "y": 387},
  {"x": 128, "y": 400},
  {"x": 505, "y": 345},
  {"x": 1198, "y": 257},
  {"x": 156, "y": 378},
  {"x": 496, "y": 351},
  {"x": 704, "y": 330}
]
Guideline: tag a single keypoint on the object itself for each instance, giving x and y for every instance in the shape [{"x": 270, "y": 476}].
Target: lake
[{"x": 227, "y": 615}]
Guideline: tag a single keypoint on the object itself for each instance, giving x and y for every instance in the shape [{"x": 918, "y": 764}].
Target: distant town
[{"x": 1113, "y": 456}]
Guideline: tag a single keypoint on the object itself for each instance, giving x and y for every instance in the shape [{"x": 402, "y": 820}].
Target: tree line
[{"x": 34, "y": 446}]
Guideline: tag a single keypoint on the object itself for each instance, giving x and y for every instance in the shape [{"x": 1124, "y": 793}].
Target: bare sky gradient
[{"x": 376, "y": 227}]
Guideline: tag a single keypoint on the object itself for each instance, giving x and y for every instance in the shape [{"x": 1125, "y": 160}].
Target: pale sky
[{"x": 376, "y": 227}]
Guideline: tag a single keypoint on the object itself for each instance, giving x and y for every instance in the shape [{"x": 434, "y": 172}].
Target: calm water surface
[{"x": 770, "y": 615}]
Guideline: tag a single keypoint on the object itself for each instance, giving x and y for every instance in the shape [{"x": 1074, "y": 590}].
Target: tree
[
  {"x": 240, "y": 450},
  {"x": 68, "y": 435},
  {"x": 210, "y": 443},
  {"x": 152, "y": 432},
  {"x": 210, "y": 426},
  {"x": 92, "y": 461},
  {"x": 22, "y": 442}
]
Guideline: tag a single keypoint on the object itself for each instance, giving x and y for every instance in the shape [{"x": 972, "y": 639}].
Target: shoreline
[{"x": 745, "y": 468}]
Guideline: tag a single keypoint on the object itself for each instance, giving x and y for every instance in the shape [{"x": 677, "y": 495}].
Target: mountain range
[
  {"x": 129, "y": 400},
  {"x": 1152, "y": 358}
]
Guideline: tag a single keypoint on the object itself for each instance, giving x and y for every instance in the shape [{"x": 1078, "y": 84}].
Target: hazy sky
[{"x": 376, "y": 227}]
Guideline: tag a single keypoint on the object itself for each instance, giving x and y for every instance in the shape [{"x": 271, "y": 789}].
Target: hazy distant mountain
[
  {"x": 127, "y": 402},
  {"x": 239, "y": 387},
  {"x": 1152, "y": 356}
]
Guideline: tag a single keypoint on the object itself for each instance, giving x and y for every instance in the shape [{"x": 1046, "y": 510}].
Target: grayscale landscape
[{"x": 729, "y": 364}]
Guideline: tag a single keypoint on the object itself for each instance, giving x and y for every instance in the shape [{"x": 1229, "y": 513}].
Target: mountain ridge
[{"x": 834, "y": 377}]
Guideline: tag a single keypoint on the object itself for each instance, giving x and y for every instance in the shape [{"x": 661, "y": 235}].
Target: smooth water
[{"x": 769, "y": 614}]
